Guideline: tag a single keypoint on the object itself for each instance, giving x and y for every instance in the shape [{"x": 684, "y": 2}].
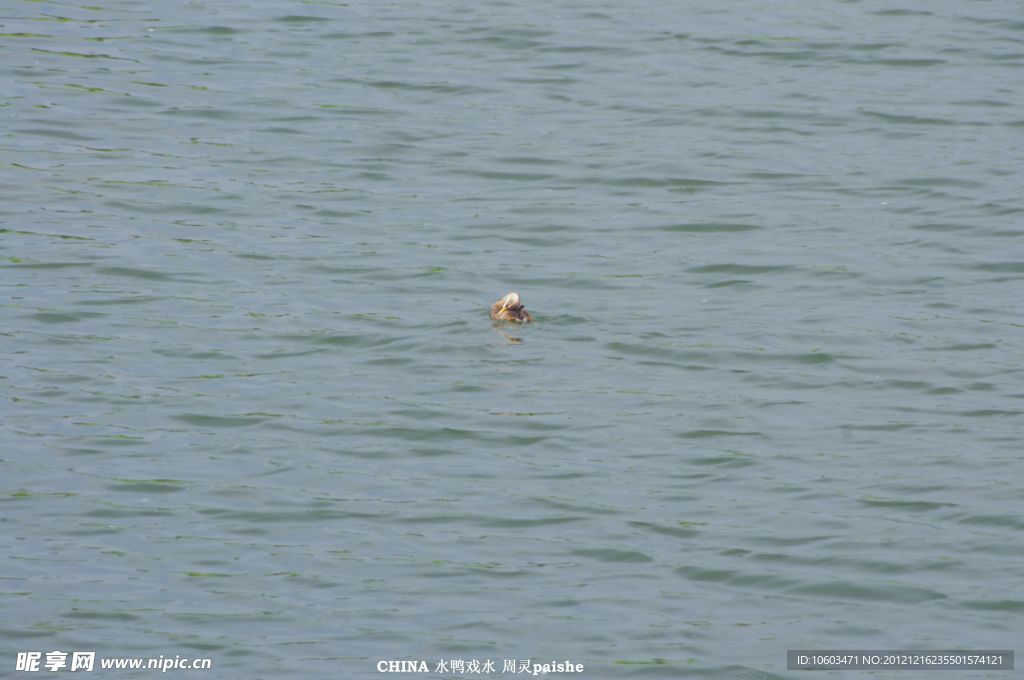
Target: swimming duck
[{"x": 509, "y": 308}]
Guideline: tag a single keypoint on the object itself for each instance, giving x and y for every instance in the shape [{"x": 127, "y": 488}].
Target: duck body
[{"x": 510, "y": 308}]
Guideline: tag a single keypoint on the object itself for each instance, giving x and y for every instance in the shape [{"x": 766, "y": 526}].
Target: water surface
[{"x": 255, "y": 410}]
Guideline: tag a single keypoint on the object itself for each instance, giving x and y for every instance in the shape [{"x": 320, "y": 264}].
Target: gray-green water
[{"x": 254, "y": 409}]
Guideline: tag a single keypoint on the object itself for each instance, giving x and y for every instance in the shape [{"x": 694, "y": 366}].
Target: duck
[{"x": 509, "y": 308}]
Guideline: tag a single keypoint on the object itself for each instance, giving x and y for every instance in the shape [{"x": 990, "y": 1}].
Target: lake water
[{"x": 254, "y": 409}]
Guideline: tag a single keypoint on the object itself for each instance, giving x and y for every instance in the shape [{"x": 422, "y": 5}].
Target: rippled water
[{"x": 254, "y": 409}]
